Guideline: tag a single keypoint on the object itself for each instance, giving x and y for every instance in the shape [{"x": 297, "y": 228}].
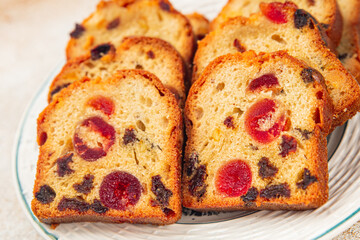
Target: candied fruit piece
[
  {"x": 100, "y": 50},
  {"x": 97, "y": 207},
  {"x": 276, "y": 11},
  {"x": 119, "y": 190},
  {"x": 233, "y": 178},
  {"x": 78, "y": 31},
  {"x": 288, "y": 145},
  {"x": 129, "y": 136},
  {"x": 161, "y": 192},
  {"x": 264, "y": 121},
  {"x": 251, "y": 195},
  {"x": 46, "y": 194},
  {"x": 101, "y": 103},
  {"x": 229, "y": 122},
  {"x": 275, "y": 191},
  {"x": 266, "y": 169},
  {"x": 307, "y": 179},
  {"x": 98, "y": 125},
  {"x": 113, "y": 24},
  {"x": 42, "y": 138},
  {"x": 73, "y": 204},
  {"x": 263, "y": 82},
  {"x": 86, "y": 185},
  {"x": 63, "y": 165},
  {"x": 239, "y": 47}
]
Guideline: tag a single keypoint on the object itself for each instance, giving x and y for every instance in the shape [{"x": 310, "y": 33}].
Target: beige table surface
[{"x": 33, "y": 34}]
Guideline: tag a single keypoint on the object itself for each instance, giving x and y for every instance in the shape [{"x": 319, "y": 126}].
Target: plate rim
[{"x": 331, "y": 232}]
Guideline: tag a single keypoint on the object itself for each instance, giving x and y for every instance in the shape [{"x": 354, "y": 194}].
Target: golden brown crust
[
  {"x": 185, "y": 44},
  {"x": 49, "y": 213},
  {"x": 316, "y": 153},
  {"x": 174, "y": 68}
]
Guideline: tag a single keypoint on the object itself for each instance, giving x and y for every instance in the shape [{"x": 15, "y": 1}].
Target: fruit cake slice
[
  {"x": 256, "y": 128},
  {"x": 349, "y": 48},
  {"x": 150, "y": 54},
  {"x": 110, "y": 151},
  {"x": 326, "y": 11},
  {"x": 293, "y": 30},
  {"x": 115, "y": 19},
  {"x": 200, "y": 24}
]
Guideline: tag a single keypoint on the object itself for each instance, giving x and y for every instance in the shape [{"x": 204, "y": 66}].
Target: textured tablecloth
[{"x": 33, "y": 35}]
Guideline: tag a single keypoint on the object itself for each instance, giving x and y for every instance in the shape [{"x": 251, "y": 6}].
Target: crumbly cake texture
[
  {"x": 349, "y": 48},
  {"x": 151, "y": 54},
  {"x": 110, "y": 151},
  {"x": 115, "y": 19},
  {"x": 200, "y": 24},
  {"x": 326, "y": 12},
  {"x": 256, "y": 128},
  {"x": 297, "y": 35}
]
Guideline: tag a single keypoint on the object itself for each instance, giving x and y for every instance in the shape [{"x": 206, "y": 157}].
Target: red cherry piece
[
  {"x": 263, "y": 82},
  {"x": 233, "y": 179},
  {"x": 101, "y": 103},
  {"x": 120, "y": 190},
  {"x": 275, "y": 11},
  {"x": 98, "y": 125},
  {"x": 264, "y": 122}
]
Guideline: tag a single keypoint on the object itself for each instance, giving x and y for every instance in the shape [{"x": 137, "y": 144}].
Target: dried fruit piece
[
  {"x": 78, "y": 31},
  {"x": 239, "y": 46},
  {"x": 276, "y": 191},
  {"x": 150, "y": 54},
  {"x": 168, "y": 212},
  {"x": 63, "y": 165},
  {"x": 266, "y": 169},
  {"x": 304, "y": 133},
  {"x": 73, "y": 204},
  {"x": 164, "y": 6},
  {"x": 42, "y": 138},
  {"x": 58, "y": 89},
  {"x": 276, "y": 11},
  {"x": 99, "y": 51},
  {"x": 233, "y": 179},
  {"x": 301, "y": 19},
  {"x": 113, "y": 24},
  {"x": 129, "y": 136},
  {"x": 119, "y": 190},
  {"x": 192, "y": 164},
  {"x": 45, "y": 195},
  {"x": 264, "y": 121},
  {"x": 229, "y": 122},
  {"x": 288, "y": 145},
  {"x": 161, "y": 192},
  {"x": 307, "y": 179},
  {"x": 251, "y": 195},
  {"x": 264, "y": 82},
  {"x": 97, "y": 207},
  {"x": 310, "y": 75},
  {"x": 101, "y": 103},
  {"x": 86, "y": 185},
  {"x": 197, "y": 186},
  {"x": 98, "y": 125}
]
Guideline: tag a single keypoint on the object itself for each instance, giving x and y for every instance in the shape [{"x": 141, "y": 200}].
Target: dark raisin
[
  {"x": 239, "y": 46},
  {"x": 42, "y": 138},
  {"x": 150, "y": 54},
  {"x": 58, "y": 89},
  {"x": 304, "y": 133},
  {"x": 78, "y": 31},
  {"x": 161, "y": 192},
  {"x": 251, "y": 195},
  {"x": 97, "y": 207},
  {"x": 275, "y": 191},
  {"x": 342, "y": 56},
  {"x": 86, "y": 185},
  {"x": 113, "y": 24},
  {"x": 266, "y": 169},
  {"x": 164, "y": 6},
  {"x": 229, "y": 122},
  {"x": 309, "y": 75},
  {"x": 288, "y": 145},
  {"x": 168, "y": 212},
  {"x": 63, "y": 165},
  {"x": 197, "y": 186},
  {"x": 301, "y": 18},
  {"x": 192, "y": 163},
  {"x": 99, "y": 51},
  {"x": 73, "y": 204},
  {"x": 129, "y": 136},
  {"x": 307, "y": 179},
  {"x": 45, "y": 195}
]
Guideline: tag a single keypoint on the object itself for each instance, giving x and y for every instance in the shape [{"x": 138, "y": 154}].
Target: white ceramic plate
[{"x": 338, "y": 214}]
